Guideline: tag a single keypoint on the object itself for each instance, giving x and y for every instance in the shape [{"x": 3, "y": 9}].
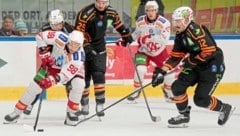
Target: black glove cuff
[{"x": 159, "y": 70}]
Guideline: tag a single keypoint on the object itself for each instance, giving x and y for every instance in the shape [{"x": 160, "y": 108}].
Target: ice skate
[
  {"x": 11, "y": 118},
  {"x": 180, "y": 121},
  {"x": 225, "y": 114},
  {"x": 84, "y": 111},
  {"x": 132, "y": 99},
  {"x": 28, "y": 110},
  {"x": 100, "y": 113},
  {"x": 71, "y": 119}
]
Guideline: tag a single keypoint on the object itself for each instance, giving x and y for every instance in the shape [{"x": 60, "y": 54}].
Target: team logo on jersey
[
  {"x": 162, "y": 20},
  {"x": 62, "y": 37},
  {"x": 214, "y": 68},
  {"x": 59, "y": 61},
  {"x": 100, "y": 23},
  {"x": 109, "y": 22},
  {"x": 151, "y": 32},
  {"x": 75, "y": 56}
]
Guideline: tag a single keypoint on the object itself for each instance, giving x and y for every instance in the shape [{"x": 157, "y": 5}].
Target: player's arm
[
  {"x": 164, "y": 35},
  {"x": 120, "y": 28},
  {"x": 207, "y": 45},
  {"x": 176, "y": 55},
  {"x": 73, "y": 67}
]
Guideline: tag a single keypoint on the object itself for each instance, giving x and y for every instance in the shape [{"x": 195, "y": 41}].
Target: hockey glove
[
  {"x": 49, "y": 81},
  {"x": 126, "y": 38},
  {"x": 158, "y": 77},
  {"x": 47, "y": 59}
]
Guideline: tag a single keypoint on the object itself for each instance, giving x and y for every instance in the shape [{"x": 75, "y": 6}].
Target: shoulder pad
[
  {"x": 162, "y": 19},
  {"x": 45, "y": 27},
  {"x": 195, "y": 30},
  {"x": 87, "y": 11},
  {"x": 140, "y": 18},
  {"x": 69, "y": 28},
  {"x": 110, "y": 8}
]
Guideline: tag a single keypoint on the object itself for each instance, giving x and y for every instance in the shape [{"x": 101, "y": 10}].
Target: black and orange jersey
[
  {"x": 196, "y": 41},
  {"x": 94, "y": 23}
]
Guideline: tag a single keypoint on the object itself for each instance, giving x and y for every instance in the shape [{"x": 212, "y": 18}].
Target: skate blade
[
  {"x": 183, "y": 125},
  {"x": 11, "y": 122},
  {"x": 132, "y": 102},
  {"x": 99, "y": 119},
  {"x": 230, "y": 114}
]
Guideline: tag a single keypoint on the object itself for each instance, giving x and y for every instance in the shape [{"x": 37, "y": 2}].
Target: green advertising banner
[{"x": 221, "y": 16}]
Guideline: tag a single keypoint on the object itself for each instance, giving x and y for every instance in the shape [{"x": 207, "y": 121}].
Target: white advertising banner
[{"x": 20, "y": 62}]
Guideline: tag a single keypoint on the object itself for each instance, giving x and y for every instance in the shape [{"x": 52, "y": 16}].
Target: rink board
[
  {"x": 21, "y": 66},
  {"x": 114, "y": 91}
]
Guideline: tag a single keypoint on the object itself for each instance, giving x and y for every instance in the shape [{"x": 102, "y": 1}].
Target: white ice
[{"x": 122, "y": 119}]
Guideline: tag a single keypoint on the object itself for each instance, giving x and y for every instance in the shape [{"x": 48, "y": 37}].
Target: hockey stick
[
  {"x": 85, "y": 119},
  {"x": 154, "y": 118},
  {"x": 38, "y": 111}
]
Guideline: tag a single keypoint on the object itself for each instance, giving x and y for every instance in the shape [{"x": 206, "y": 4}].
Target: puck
[{"x": 40, "y": 130}]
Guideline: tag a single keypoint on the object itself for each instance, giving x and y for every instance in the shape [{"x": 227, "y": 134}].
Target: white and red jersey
[
  {"x": 69, "y": 64},
  {"x": 159, "y": 32}
]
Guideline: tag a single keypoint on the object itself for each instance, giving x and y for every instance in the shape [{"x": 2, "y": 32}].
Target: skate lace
[
  {"x": 221, "y": 115},
  {"x": 179, "y": 117},
  {"x": 85, "y": 108},
  {"x": 13, "y": 114},
  {"x": 99, "y": 107},
  {"x": 29, "y": 107}
]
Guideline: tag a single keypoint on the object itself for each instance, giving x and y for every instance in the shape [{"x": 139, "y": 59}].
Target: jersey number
[
  {"x": 51, "y": 35},
  {"x": 72, "y": 69},
  {"x": 202, "y": 43}
]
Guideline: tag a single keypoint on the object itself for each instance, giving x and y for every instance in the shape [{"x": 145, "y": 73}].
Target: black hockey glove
[
  {"x": 126, "y": 37},
  {"x": 158, "y": 77}
]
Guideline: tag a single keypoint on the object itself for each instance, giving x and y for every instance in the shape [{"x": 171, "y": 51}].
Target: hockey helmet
[
  {"x": 55, "y": 17},
  {"x": 76, "y": 39},
  {"x": 151, "y": 4},
  {"x": 185, "y": 14}
]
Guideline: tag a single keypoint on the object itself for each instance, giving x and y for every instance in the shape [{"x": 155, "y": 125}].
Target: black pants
[{"x": 206, "y": 79}]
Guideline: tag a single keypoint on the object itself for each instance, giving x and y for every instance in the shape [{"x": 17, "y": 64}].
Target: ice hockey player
[
  {"x": 152, "y": 33},
  {"x": 55, "y": 23},
  {"x": 93, "y": 20},
  {"x": 203, "y": 67},
  {"x": 62, "y": 61}
]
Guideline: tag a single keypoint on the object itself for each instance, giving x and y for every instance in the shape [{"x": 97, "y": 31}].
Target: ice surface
[{"x": 122, "y": 119}]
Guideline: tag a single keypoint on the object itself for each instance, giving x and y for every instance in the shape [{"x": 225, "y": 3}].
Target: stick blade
[{"x": 156, "y": 118}]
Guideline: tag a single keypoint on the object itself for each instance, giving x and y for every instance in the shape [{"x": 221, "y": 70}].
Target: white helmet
[
  {"x": 76, "y": 39},
  {"x": 152, "y": 3},
  {"x": 55, "y": 17},
  {"x": 183, "y": 13},
  {"x": 107, "y": 1}
]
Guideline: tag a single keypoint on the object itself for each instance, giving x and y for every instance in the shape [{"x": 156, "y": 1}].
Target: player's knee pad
[
  {"x": 31, "y": 92},
  {"x": 201, "y": 101},
  {"x": 98, "y": 77},
  {"x": 179, "y": 87},
  {"x": 78, "y": 85}
]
